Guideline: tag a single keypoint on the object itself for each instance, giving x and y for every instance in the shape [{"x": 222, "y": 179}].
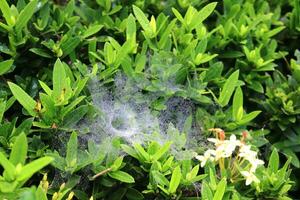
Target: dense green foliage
[{"x": 236, "y": 61}]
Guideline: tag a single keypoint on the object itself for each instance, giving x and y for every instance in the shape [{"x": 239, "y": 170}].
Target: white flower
[
  {"x": 234, "y": 141},
  {"x": 250, "y": 177},
  {"x": 217, "y": 142},
  {"x": 250, "y": 156},
  {"x": 246, "y": 152},
  {"x": 245, "y": 148},
  {"x": 208, "y": 155},
  {"x": 255, "y": 163},
  {"x": 225, "y": 148},
  {"x": 220, "y": 152},
  {"x": 230, "y": 145}
]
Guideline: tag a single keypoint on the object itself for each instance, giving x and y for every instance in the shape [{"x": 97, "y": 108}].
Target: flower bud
[
  {"x": 62, "y": 186},
  {"x": 222, "y": 135},
  {"x": 55, "y": 196},
  {"x": 244, "y": 136},
  {"x": 70, "y": 196}
]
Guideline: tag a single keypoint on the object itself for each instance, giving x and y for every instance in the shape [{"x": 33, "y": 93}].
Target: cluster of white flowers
[{"x": 225, "y": 149}]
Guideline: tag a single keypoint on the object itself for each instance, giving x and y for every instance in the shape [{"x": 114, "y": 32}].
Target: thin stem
[{"x": 101, "y": 173}]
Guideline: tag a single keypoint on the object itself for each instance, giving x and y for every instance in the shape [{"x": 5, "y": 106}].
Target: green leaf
[
  {"x": 202, "y": 45},
  {"x": 220, "y": 191},
  {"x": 41, "y": 194},
  {"x": 202, "y": 15},
  {"x": 5, "y": 27},
  {"x": 7, "y": 14},
  {"x": 228, "y": 88},
  {"x": 206, "y": 192},
  {"x": 23, "y": 98},
  {"x": 273, "y": 162},
  {"x": 41, "y": 125},
  {"x": 159, "y": 178},
  {"x": 25, "y": 15},
  {"x": 153, "y": 24},
  {"x": 40, "y": 52},
  {"x": 165, "y": 40},
  {"x": 237, "y": 107},
  {"x": 59, "y": 162},
  {"x": 10, "y": 102},
  {"x": 59, "y": 80},
  {"x": 178, "y": 15},
  {"x": 248, "y": 117},
  {"x": 71, "y": 155},
  {"x": 49, "y": 106},
  {"x": 294, "y": 158},
  {"x": 175, "y": 180},
  {"x": 140, "y": 63},
  {"x": 121, "y": 176},
  {"x": 123, "y": 53},
  {"x": 162, "y": 151},
  {"x": 256, "y": 86},
  {"x": 19, "y": 150},
  {"x": 198, "y": 178},
  {"x": 28, "y": 170},
  {"x": 74, "y": 116},
  {"x": 44, "y": 15},
  {"x": 131, "y": 28},
  {"x": 144, "y": 22},
  {"x": 231, "y": 54},
  {"x": 2, "y": 109},
  {"x": 212, "y": 178},
  {"x": 235, "y": 197},
  {"x": 141, "y": 152},
  {"x": 46, "y": 88},
  {"x": 23, "y": 127},
  {"x": 117, "y": 164},
  {"x": 153, "y": 148},
  {"x": 214, "y": 71},
  {"x": 130, "y": 151},
  {"x": 206, "y": 11},
  {"x": 118, "y": 194},
  {"x": 193, "y": 173},
  {"x": 93, "y": 29},
  {"x": 5, "y": 66},
  {"x": 115, "y": 9},
  {"x": 131, "y": 32},
  {"x": 7, "y": 166},
  {"x": 127, "y": 66},
  {"x": 203, "y": 58},
  {"x": 69, "y": 45},
  {"x": 133, "y": 194},
  {"x": 79, "y": 86},
  {"x": 274, "y": 31},
  {"x": 72, "y": 105}
]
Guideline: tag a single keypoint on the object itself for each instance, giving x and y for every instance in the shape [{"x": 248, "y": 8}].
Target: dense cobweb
[{"x": 124, "y": 110}]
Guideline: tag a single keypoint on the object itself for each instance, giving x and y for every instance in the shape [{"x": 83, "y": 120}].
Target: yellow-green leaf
[
  {"x": 144, "y": 22},
  {"x": 175, "y": 180},
  {"x": 59, "y": 80},
  {"x": 92, "y": 30},
  {"x": 7, "y": 166},
  {"x": 121, "y": 176},
  {"x": 7, "y": 14},
  {"x": 228, "y": 88},
  {"x": 19, "y": 150},
  {"x": 25, "y": 15},
  {"x": 237, "y": 107},
  {"x": 28, "y": 170},
  {"x": 220, "y": 191},
  {"x": 5, "y": 66},
  {"x": 23, "y": 98}
]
